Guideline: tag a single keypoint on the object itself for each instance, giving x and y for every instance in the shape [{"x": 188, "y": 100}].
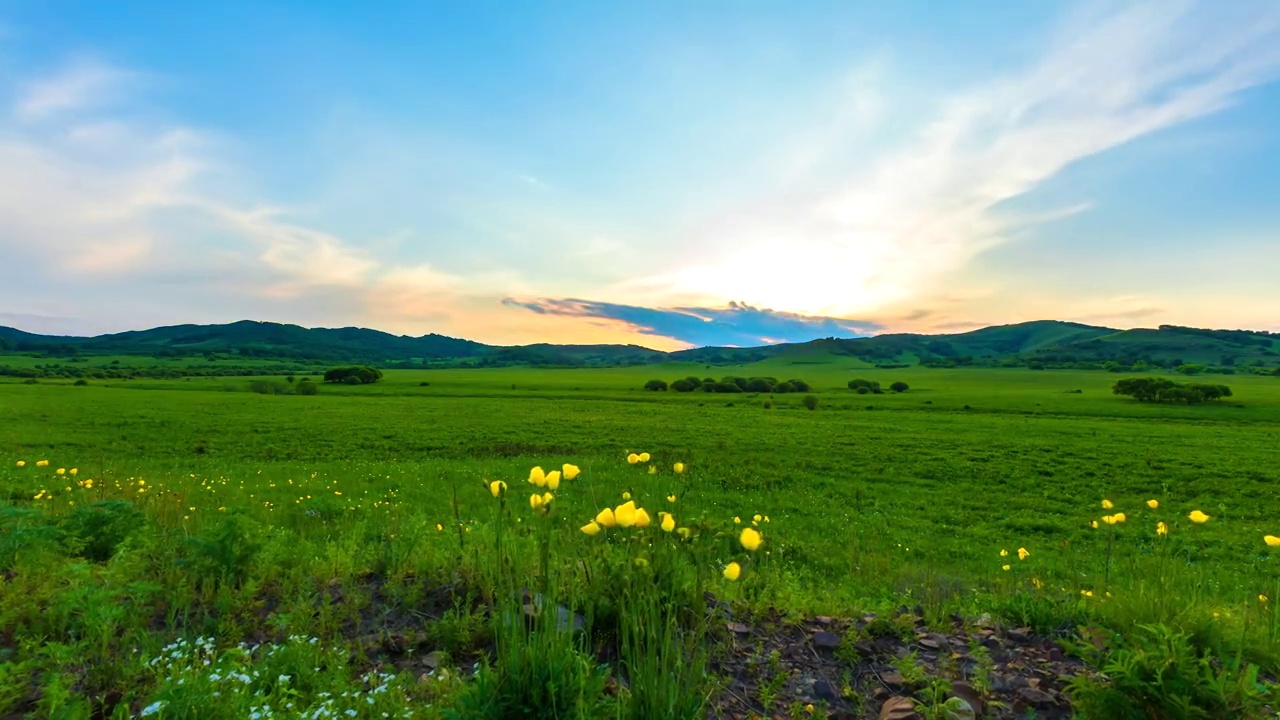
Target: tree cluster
[
  {"x": 1162, "y": 390},
  {"x": 356, "y": 375},
  {"x": 731, "y": 384}
]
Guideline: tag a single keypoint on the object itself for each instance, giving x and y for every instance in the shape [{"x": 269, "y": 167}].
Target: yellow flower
[
  {"x": 592, "y": 528},
  {"x": 653, "y": 469},
  {"x": 22, "y": 463},
  {"x": 570, "y": 471},
  {"x": 1107, "y": 505},
  {"x": 1198, "y": 517},
  {"x": 668, "y": 522},
  {"x": 1087, "y": 593},
  {"x": 547, "y": 498},
  {"x": 732, "y": 571},
  {"x": 538, "y": 477},
  {"x": 1094, "y": 524},
  {"x": 1153, "y": 504},
  {"x": 766, "y": 518},
  {"x": 144, "y": 482},
  {"x": 671, "y": 498},
  {"x": 553, "y": 480},
  {"x": 751, "y": 539},
  {"x": 684, "y": 533},
  {"x": 1262, "y": 598},
  {"x": 75, "y": 471},
  {"x": 497, "y": 487},
  {"x": 1120, "y": 517},
  {"x": 626, "y": 495},
  {"x": 633, "y": 458},
  {"x": 439, "y": 527},
  {"x": 809, "y": 708},
  {"x": 625, "y": 514},
  {"x": 1023, "y": 553},
  {"x": 643, "y": 457},
  {"x": 1004, "y": 553},
  {"x": 62, "y": 471},
  {"x": 535, "y": 501},
  {"x": 1162, "y": 529},
  {"x": 1005, "y": 567},
  {"x": 756, "y": 518},
  {"x": 1109, "y": 519},
  {"x": 679, "y": 468},
  {"x": 1035, "y": 582},
  {"x": 642, "y": 518},
  {"x": 42, "y": 463},
  {"x": 1271, "y": 540},
  {"x": 605, "y": 518},
  {"x": 737, "y": 520}
]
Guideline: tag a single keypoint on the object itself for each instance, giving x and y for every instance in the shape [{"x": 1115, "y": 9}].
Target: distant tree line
[
  {"x": 731, "y": 384},
  {"x": 1163, "y": 390},
  {"x": 355, "y": 375},
  {"x": 863, "y": 387}
]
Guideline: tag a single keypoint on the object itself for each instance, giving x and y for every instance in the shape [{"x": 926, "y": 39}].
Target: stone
[
  {"x": 432, "y": 659},
  {"x": 1035, "y": 698},
  {"x": 737, "y": 628},
  {"x": 898, "y": 708},
  {"x": 826, "y": 640},
  {"x": 823, "y": 690}
]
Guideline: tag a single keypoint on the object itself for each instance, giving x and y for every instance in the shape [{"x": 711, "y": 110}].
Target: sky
[{"x": 665, "y": 173}]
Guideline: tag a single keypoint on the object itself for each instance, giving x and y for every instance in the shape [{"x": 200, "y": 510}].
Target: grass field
[{"x": 872, "y": 501}]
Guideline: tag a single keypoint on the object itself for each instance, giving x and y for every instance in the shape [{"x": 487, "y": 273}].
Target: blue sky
[{"x": 665, "y": 173}]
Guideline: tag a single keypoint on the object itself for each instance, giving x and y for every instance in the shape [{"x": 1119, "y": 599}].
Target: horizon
[{"x": 659, "y": 175}]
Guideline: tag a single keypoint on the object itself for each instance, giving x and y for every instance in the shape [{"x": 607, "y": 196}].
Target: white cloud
[
  {"x": 82, "y": 85},
  {"x": 889, "y": 232}
]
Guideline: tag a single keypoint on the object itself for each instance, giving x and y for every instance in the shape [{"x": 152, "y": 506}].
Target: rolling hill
[{"x": 1045, "y": 343}]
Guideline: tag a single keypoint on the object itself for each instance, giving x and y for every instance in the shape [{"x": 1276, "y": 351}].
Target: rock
[
  {"x": 935, "y": 641},
  {"x": 1035, "y": 698},
  {"x": 966, "y": 692},
  {"x": 432, "y": 659},
  {"x": 898, "y": 708},
  {"x": 958, "y": 709},
  {"x": 1055, "y": 654},
  {"x": 823, "y": 620},
  {"x": 824, "y": 691},
  {"x": 893, "y": 677},
  {"x": 1019, "y": 635},
  {"x": 826, "y": 640},
  {"x": 737, "y": 628}
]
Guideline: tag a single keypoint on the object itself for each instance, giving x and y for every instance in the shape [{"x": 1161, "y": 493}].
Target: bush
[
  {"x": 899, "y": 387},
  {"x": 96, "y": 531},
  {"x": 686, "y": 385},
  {"x": 363, "y": 375},
  {"x": 811, "y": 402},
  {"x": 424, "y": 383},
  {"x": 800, "y": 385},
  {"x": 81, "y": 382},
  {"x": 268, "y": 387},
  {"x": 656, "y": 385},
  {"x": 1165, "y": 390},
  {"x": 859, "y": 385},
  {"x": 759, "y": 385},
  {"x": 784, "y": 388},
  {"x": 726, "y": 387},
  {"x": 306, "y": 387}
]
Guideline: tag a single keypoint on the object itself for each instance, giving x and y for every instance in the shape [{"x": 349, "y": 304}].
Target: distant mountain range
[{"x": 1047, "y": 343}]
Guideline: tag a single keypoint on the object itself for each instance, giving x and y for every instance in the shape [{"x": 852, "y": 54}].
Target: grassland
[{"x": 873, "y": 501}]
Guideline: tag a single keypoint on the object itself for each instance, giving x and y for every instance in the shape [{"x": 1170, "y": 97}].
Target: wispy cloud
[
  {"x": 926, "y": 208},
  {"x": 82, "y": 84},
  {"x": 736, "y": 324}
]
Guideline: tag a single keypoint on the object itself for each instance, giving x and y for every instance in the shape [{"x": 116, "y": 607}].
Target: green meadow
[{"x": 199, "y": 509}]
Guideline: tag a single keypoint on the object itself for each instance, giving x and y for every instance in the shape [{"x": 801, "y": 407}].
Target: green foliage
[
  {"x": 306, "y": 387},
  {"x": 899, "y": 387},
  {"x": 96, "y": 531},
  {"x": 862, "y": 386},
  {"x": 1155, "y": 671},
  {"x": 656, "y": 385},
  {"x": 810, "y": 402},
  {"x": 362, "y": 375},
  {"x": 1163, "y": 390},
  {"x": 226, "y": 553}
]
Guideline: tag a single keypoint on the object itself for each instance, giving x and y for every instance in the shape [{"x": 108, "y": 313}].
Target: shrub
[
  {"x": 424, "y": 383},
  {"x": 784, "y": 387},
  {"x": 656, "y": 385},
  {"x": 726, "y": 387},
  {"x": 364, "y": 375},
  {"x": 800, "y": 385},
  {"x": 871, "y": 386},
  {"x": 686, "y": 385},
  {"x": 1165, "y": 390},
  {"x": 899, "y": 387},
  {"x": 81, "y": 382},
  {"x": 226, "y": 553},
  {"x": 759, "y": 385},
  {"x": 306, "y": 387},
  {"x": 290, "y": 379},
  {"x": 268, "y": 387},
  {"x": 811, "y": 402},
  {"x": 96, "y": 531}
]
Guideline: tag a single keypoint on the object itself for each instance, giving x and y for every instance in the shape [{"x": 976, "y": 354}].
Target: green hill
[{"x": 1044, "y": 343}]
